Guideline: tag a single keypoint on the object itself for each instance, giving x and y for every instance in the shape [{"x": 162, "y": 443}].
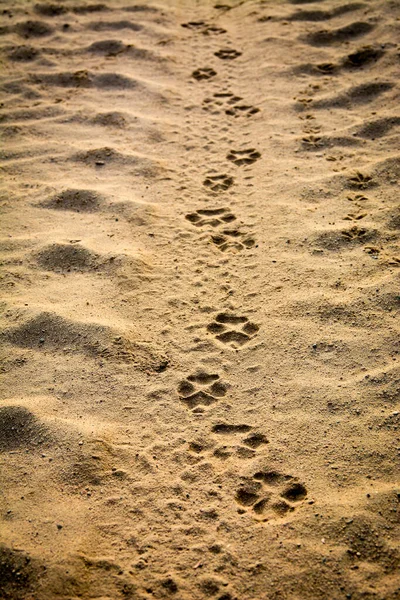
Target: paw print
[
  {"x": 218, "y": 183},
  {"x": 203, "y": 28},
  {"x": 243, "y": 157},
  {"x": 227, "y": 54},
  {"x": 312, "y": 141},
  {"x": 354, "y": 216},
  {"x": 270, "y": 495},
  {"x": 360, "y": 181},
  {"x": 312, "y": 129},
  {"x": 305, "y": 101},
  {"x": 242, "y": 109},
  {"x": 212, "y": 217},
  {"x": 357, "y": 198},
  {"x": 248, "y": 445},
  {"x": 219, "y": 100},
  {"x": 232, "y": 240},
  {"x": 232, "y": 330},
  {"x": 201, "y": 388},
  {"x": 203, "y": 74},
  {"x": 355, "y": 234}
]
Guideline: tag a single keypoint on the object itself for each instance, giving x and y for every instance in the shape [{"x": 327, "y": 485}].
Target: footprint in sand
[
  {"x": 270, "y": 495},
  {"x": 311, "y": 142},
  {"x": 232, "y": 330},
  {"x": 248, "y": 445},
  {"x": 210, "y": 217},
  {"x": 230, "y": 103},
  {"x": 226, "y": 239},
  {"x": 204, "y": 74},
  {"x": 360, "y": 181},
  {"x": 201, "y": 388},
  {"x": 233, "y": 240},
  {"x": 227, "y": 54},
  {"x": 243, "y": 157},
  {"x": 204, "y": 28},
  {"x": 218, "y": 183}
]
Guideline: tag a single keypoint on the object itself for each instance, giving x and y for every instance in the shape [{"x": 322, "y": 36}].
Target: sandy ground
[{"x": 200, "y": 291}]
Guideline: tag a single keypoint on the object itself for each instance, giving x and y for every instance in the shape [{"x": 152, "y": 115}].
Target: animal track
[
  {"x": 204, "y": 74},
  {"x": 354, "y": 216},
  {"x": 228, "y": 238},
  {"x": 211, "y": 388},
  {"x": 212, "y": 217},
  {"x": 227, "y": 54},
  {"x": 270, "y": 495},
  {"x": 243, "y": 157},
  {"x": 232, "y": 330},
  {"x": 355, "y": 234},
  {"x": 311, "y": 142},
  {"x": 232, "y": 239},
  {"x": 360, "y": 181},
  {"x": 218, "y": 183},
  {"x": 230, "y": 103},
  {"x": 203, "y": 28},
  {"x": 248, "y": 445}
]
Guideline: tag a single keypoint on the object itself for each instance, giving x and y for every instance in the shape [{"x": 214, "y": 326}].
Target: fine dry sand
[{"x": 200, "y": 293}]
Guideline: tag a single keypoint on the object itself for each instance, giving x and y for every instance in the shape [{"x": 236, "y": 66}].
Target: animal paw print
[
  {"x": 307, "y": 117},
  {"x": 232, "y": 330},
  {"x": 201, "y": 388},
  {"x": 233, "y": 239},
  {"x": 312, "y": 141},
  {"x": 243, "y": 157},
  {"x": 355, "y": 234},
  {"x": 248, "y": 444},
  {"x": 230, "y": 103},
  {"x": 227, "y": 54},
  {"x": 270, "y": 495},
  {"x": 354, "y": 216},
  {"x": 357, "y": 198},
  {"x": 212, "y": 217},
  {"x": 313, "y": 129},
  {"x": 218, "y": 183},
  {"x": 305, "y": 101},
  {"x": 360, "y": 181},
  {"x": 204, "y": 74},
  {"x": 203, "y": 28}
]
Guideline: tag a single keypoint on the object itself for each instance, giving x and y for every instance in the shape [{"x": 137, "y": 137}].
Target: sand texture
[{"x": 199, "y": 344}]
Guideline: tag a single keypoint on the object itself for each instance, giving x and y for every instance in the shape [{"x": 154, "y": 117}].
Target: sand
[{"x": 200, "y": 289}]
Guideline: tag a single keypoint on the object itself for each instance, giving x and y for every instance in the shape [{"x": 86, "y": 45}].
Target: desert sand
[{"x": 200, "y": 290}]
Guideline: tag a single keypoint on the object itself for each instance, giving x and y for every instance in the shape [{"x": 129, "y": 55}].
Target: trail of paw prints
[
  {"x": 231, "y": 104},
  {"x": 204, "y": 28},
  {"x": 243, "y": 157},
  {"x": 233, "y": 330},
  {"x": 270, "y": 495},
  {"x": 218, "y": 183},
  {"x": 226, "y": 239},
  {"x": 201, "y": 389},
  {"x": 248, "y": 446},
  {"x": 203, "y": 74}
]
